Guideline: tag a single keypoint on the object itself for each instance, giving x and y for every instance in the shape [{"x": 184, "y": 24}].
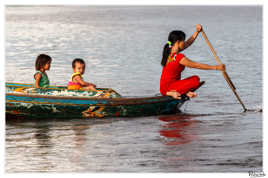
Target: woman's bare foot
[
  {"x": 174, "y": 94},
  {"x": 191, "y": 94}
]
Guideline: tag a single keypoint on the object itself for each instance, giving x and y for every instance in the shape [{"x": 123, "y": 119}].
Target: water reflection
[
  {"x": 42, "y": 136},
  {"x": 177, "y": 129},
  {"x": 79, "y": 141},
  {"x": 80, "y": 134}
]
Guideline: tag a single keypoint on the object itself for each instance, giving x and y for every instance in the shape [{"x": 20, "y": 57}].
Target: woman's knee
[{"x": 195, "y": 78}]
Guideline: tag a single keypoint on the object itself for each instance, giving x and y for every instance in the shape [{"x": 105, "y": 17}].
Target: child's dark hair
[
  {"x": 81, "y": 61},
  {"x": 173, "y": 37},
  {"x": 41, "y": 61}
]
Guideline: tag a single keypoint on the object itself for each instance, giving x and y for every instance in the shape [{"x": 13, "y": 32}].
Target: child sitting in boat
[
  {"x": 77, "y": 81},
  {"x": 42, "y": 64}
]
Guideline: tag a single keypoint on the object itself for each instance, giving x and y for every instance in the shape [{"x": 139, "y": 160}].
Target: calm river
[{"x": 122, "y": 47}]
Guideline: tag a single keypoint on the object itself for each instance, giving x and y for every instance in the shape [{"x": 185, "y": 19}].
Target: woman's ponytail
[{"x": 165, "y": 55}]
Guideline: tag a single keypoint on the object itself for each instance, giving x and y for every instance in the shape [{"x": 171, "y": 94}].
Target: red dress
[{"x": 171, "y": 77}]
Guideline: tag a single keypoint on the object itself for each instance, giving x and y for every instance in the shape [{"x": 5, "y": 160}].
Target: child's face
[
  {"x": 79, "y": 68},
  {"x": 47, "y": 65}
]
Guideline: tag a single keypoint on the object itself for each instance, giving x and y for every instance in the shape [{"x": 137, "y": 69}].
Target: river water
[{"x": 122, "y": 47}]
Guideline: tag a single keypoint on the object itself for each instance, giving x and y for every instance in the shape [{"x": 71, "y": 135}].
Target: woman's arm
[
  {"x": 37, "y": 77},
  {"x": 193, "y": 37},
  {"x": 188, "y": 63}
]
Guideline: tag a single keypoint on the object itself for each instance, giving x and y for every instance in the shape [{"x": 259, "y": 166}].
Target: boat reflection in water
[{"x": 178, "y": 129}]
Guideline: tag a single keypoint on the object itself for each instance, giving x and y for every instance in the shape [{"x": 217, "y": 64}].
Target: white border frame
[{"x": 125, "y": 2}]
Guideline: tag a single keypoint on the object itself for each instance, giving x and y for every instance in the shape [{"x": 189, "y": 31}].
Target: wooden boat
[{"x": 58, "y": 102}]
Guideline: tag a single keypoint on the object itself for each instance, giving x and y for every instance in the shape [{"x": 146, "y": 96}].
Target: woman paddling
[{"x": 174, "y": 62}]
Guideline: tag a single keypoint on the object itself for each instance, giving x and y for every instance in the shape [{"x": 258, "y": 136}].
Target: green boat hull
[{"x": 23, "y": 100}]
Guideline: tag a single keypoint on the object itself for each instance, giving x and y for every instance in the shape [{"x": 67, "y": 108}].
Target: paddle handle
[
  {"x": 224, "y": 73},
  {"x": 234, "y": 90},
  {"x": 211, "y": 48},
  {"x": 226, "y": 76}
]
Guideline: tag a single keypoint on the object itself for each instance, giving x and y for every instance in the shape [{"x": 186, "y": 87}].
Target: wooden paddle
[{"x": 227, "y": 78}]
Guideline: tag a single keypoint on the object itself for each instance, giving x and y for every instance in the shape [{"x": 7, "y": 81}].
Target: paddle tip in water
[{"x": 253, "y": 110}]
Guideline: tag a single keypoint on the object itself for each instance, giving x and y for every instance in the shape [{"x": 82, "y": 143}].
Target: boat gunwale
[
  {"x": 54, "y": 87},
  {"x": 119, "y": 100},
  {"x": 97, "y": 104},
  {"x": 90, "y": 98}
]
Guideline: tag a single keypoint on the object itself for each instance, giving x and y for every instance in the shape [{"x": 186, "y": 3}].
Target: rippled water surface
[{"x": 122, "y": 48}]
